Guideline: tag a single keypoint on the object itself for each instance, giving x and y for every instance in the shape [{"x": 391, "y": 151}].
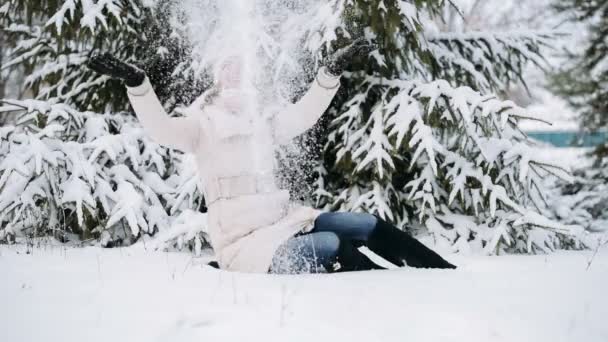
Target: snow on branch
[
  {"x": 466, "y": 153},
  {"x": 63, "y": 170},
  {"x": 490, "y": 60}
]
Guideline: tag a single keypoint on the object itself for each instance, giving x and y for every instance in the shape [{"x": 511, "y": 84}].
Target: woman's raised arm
[
  {"x": 301, "y": 116},
  {"x": 297, "y": 118},
  {"x": 179, "y": 133}
]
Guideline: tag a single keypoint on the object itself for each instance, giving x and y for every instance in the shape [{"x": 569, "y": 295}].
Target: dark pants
[{"x": 309, "y": 252}]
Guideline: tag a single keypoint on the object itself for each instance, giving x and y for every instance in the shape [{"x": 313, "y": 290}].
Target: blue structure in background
[{"x": 570, "y": 139}]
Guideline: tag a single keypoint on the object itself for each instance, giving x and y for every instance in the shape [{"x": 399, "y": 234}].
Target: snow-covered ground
[{"x": 91, "y": 294}]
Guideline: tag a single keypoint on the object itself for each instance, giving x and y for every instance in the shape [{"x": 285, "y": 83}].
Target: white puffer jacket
[{"x": 249, "y": 217}]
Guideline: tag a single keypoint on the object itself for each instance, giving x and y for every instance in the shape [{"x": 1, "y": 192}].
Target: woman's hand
[
  {"x": 341, "y": 59},
  {"x": 107, "y": 64}
]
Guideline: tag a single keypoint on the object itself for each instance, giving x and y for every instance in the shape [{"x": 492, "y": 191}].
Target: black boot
[
  {"x": 349, "y": 258},
  {"x": 400, "y": 248}
]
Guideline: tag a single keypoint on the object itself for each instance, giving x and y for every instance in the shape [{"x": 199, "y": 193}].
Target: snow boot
[
  {"x": 349, "y": 258},
  {"x": 399, "y": 248}
]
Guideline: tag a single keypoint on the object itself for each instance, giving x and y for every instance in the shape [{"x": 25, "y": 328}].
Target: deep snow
[{"x": 66, "y": 294}]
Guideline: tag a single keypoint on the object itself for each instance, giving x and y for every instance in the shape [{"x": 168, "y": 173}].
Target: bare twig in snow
[
  {"x": 187, "y": 265},
  {"x": 99, "y": 270},
  {"x": 599, "y": 245},
  {"x": 234, "y": 298},
  {"x": 284, "y": 304}
]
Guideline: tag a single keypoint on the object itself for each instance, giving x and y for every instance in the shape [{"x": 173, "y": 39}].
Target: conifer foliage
[
  {"x": 415, "y": 135},
  {"x": 583, "y": 81},
  {"x": 77, "y": 165}
]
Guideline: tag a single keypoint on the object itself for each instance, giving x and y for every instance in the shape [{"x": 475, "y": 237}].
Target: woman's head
[
  {"x": 229, "y": 73},
  {"x": 230, "y": 90}
]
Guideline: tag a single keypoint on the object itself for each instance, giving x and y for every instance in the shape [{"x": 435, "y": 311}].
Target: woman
[{"x": 252, "y": 225}]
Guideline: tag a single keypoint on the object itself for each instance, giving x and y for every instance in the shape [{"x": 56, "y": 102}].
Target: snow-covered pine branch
[
  {"x": 583, "y": 81},
  {"x": 463, "y": 148},
  {"x": 419, "y": 139},
  {"x": 487, "y": 61},
  {"x": 56, "y": 43},
  {"x": 67, "y": 172},
  {"x": 67, "y": 169}
]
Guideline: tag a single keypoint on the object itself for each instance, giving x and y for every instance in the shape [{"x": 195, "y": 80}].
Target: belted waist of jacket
[{"x": 229, "y": 187}]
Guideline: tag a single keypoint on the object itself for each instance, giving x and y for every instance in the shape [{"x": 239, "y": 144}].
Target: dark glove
[
  {"x": 341, "y": 59},
  {"x": 107, "y": 64}
]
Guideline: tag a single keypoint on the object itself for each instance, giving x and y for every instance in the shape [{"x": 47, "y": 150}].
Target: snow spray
[{"x": 266, "y": 38}]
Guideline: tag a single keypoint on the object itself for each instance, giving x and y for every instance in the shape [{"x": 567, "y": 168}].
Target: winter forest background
[
  {"x": 426, "y": 131},
  {"x": 439, "y": 131}
]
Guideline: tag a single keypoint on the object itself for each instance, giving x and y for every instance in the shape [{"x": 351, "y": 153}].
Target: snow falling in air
[{"x": 266, "y": 37}]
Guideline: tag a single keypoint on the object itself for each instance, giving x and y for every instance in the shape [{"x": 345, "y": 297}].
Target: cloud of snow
[{"x": 268, "y": 37}]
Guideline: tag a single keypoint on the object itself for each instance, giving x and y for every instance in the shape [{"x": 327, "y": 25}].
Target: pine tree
[
  {"x": 583, "y": 82},
  {"x": 417, "y": 137},
  {"x": 77, "y": 163},
  {"x": 414, "y": 136}
]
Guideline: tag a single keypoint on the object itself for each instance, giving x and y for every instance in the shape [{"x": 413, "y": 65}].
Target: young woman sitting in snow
[{"x": 252, "y": 225}]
